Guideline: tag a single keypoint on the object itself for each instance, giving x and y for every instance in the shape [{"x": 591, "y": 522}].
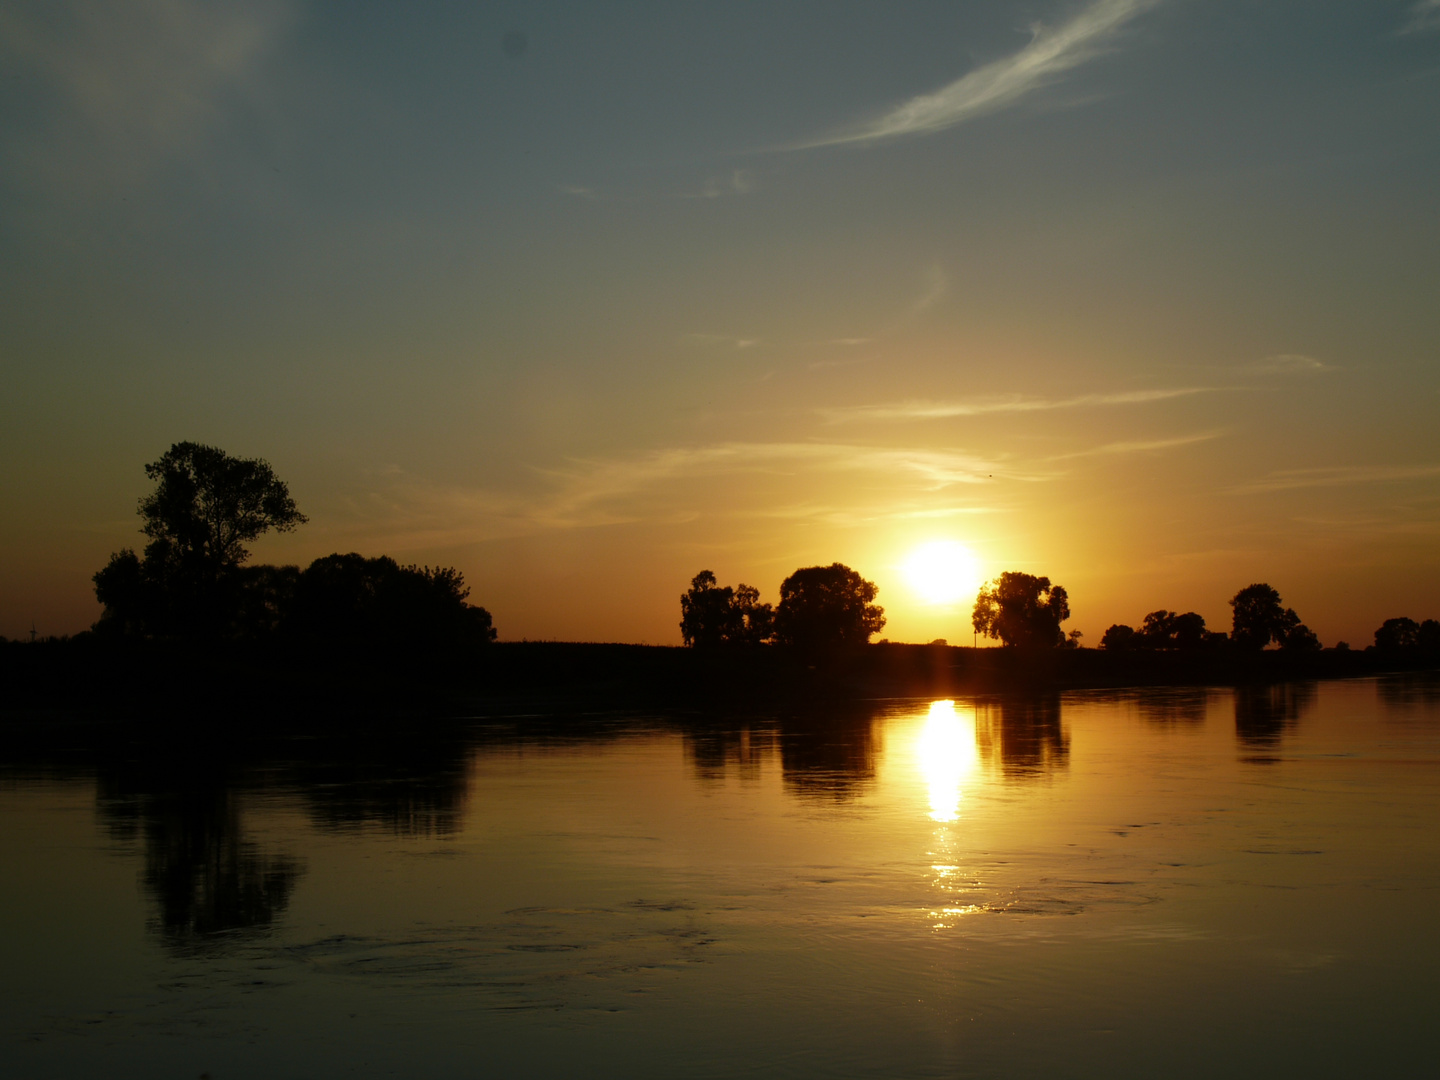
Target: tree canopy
[
  {"x": 1260, "y": 619},
  {"x": 207, "y": 506},
  {"x": 825, "y": 608},
  {"x": 1162, "y": 629},
  {"x": 191, "y": 583},
  {"x": 1022, "y": 610},
  {"x": 350, "y": 600},
  {"x": 714, "y": 615},
  {"x": 1402, "y": 633}
]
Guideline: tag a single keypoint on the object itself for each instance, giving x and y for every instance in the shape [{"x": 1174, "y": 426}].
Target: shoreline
[{"x": 85, "y": 675}]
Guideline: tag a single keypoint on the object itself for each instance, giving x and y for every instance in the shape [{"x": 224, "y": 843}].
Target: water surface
[{"x": 1168, "y": 882}]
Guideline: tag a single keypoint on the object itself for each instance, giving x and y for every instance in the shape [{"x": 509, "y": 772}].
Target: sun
[{"x": 943, "y": 572}]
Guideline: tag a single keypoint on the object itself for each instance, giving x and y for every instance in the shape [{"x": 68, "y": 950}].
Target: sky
[{"x": 1140, "y": 295}]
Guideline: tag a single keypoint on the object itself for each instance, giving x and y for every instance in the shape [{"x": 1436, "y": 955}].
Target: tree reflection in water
[
  {"x": 211, "y": 883},
  {"x": 208, "y": 881},
  {"x": 828, "y": 756},
  {"x": 1264, "y": 713},
  {"x": 714, "y": 754},
  {"x": 1167, "y": 707},
  {"x": 1410, "y": 691},
  {"x": 411, "y": 783},
  {"x": 1023, "y": 734}
]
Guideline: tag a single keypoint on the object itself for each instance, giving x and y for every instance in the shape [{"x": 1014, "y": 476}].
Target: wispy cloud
[
  {"x": 935, "y": 285},
  {"x": 140, "y": 82},
  {"x": 586, "y": 485},
  {"x": 1140, "y": 446},
  {"x": 408, "y": 513},
  {"x": 1014, "y": 403},
  {"x": 1424, "y": 15},
  {"x": 1290, "y": 364},
  {"x": 725, "y": 340},
  {"x": 1336, "y": 475},
  {"x": 737, "y": 182},
  {"x": 997, "y": 85}
]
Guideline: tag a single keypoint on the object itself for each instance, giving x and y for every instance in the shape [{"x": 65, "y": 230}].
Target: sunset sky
[{"x": 1143, "y": 295}]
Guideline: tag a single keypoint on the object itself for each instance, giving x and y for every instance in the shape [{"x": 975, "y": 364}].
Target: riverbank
[{"x": 148, "y": 678}]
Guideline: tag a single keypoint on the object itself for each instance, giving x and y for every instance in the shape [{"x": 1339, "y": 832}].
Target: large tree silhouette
[
  {"x": 826, "y": 608},
  {"x": 206, "y": 507},
  {"x": 1022, "y": 610},
  {"x": 711, "y": 614},
  {"x": 349, "y": 601},
  {"x": 1260, "y": 619}
]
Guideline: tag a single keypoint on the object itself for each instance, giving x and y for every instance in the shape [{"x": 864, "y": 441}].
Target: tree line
[
  {"x": 822, "y": 608},
  {"x": 831, "y": 607},
  {"x": 191, "y": 583}
]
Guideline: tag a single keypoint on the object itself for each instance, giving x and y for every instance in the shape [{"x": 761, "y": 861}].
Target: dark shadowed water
[{"x": 1160, "y": 883}]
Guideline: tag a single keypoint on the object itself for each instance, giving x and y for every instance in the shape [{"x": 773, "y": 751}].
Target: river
[{"x": 1179, "y": 882}]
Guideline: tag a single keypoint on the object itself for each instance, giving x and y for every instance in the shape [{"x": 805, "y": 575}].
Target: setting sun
[{"x": 943, "y": 572}]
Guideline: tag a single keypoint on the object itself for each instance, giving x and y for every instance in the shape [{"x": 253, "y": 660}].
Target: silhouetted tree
[
  {"x": 706, "y": 611},
  {"x": 1022, "y": 610},
  {"x": 205, "y": 508},
  {"x": 1167, "y": 630},
  {"x": 207, "y": 505},
  {"x": 1119, "y": 638},
  {"x": 712, "y": 615},
  {"x": 1428, "y": 639},
  {"x": 824, "y": 608},
  {"x": 1259, "y": 620},
  {"x": 349, "y": 600},
  {"x": 1396, "y": 634},
  {"x": 757, "y": 620}
]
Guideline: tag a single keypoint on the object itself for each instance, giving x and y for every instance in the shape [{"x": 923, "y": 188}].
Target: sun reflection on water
[
  {"x": 946, "y": 757},
  {"x": 945, "y": 751}
]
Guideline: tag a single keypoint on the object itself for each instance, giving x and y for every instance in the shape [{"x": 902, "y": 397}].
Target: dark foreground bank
[{"x": 143, "y": 678}]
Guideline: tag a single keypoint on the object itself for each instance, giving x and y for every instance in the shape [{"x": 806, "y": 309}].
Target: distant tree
[
  {"x": 1399, "y": 633},
  {"x": 1428, "y": 638},
  {"x": 1257, "y": 615},
  {"x": 1167, "y": 630},
  {"x": 1260, "y": 619},
  {"x": 756, "y": 620},
  {"x": 1022, "y": 610},
  {"x": 1119, "y": 638},
  {"x": 351, "y": 601},
  {"x": 706, "y": 611},
  {"x": 823, "y": 608},
  {"x": 207, "y": 505},
  {"x": 205, "y": 508},
  {"x": 1299, "y": 638},
  {"x": 1072, "y": 639},
  {"x": 714, "y": 615}
]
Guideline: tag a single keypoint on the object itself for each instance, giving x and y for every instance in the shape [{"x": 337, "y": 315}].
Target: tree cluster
[
  {"x": 1259, "y": 619},
  {"x": 1023, "y": 611},
  {"x": 1163, "y": 630},
  {"x": 822, "y": 609},
  {"x": 1404, "y": 635},
  {"x": 191, "y": 584},
  {"x": 714, "y": 615}
]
